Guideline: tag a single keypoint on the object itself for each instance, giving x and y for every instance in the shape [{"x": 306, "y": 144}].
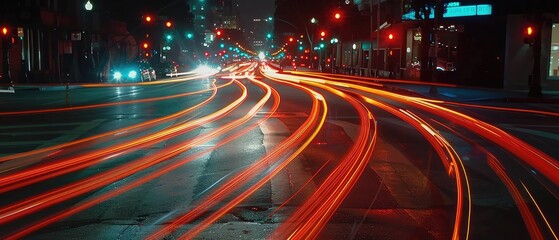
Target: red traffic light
[
  {"x": 291, "y": 39},
  {"x": 218, "y": 33},
  {"x": 148, "y": 18},
  {"x": 337, "y": 16},
  {"x": 390, "y": 36},
  {"x": 145, "y": 45},
  {"x": 168, "y": 24},
  {"x": 530, "y": 35},
  {"x": 529, "y": 31},
  {"x": 323, "y": 33},
  {"x": 5, "y": 31}
]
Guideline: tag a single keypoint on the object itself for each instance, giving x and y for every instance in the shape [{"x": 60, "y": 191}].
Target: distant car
[
  {"x": 133, "y": 72},
  {"x": 166, "y": 69}
]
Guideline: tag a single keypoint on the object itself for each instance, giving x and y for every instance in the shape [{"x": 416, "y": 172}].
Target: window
[{"x": 554, "y": 54}]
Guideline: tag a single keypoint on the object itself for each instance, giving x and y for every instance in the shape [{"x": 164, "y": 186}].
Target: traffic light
[
  {"x": 291, "y": 39},
  {"x": 530, "y": 35},
  {"x": 148, "y": 18},
  {"x": 218, "y": 33},
  {"x": 337, "y": 16},
  {"x": 5, "y": 31},
  {"x": 145, "y": 45},
  {"x": 323, "y": 33},
  {"x": 168, "y": 24},
  {"x": 189, "y": 35},
  {"x": 390, "y": 36}
]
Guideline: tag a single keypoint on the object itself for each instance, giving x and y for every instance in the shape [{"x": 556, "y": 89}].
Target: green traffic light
[
  {"x": 169, "y": 37},
  {"x": 189, "y": 35},
  {"x": 269, "y": 35}
]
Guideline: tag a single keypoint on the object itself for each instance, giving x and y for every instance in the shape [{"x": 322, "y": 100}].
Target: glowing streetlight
[
  {"x": 337, "y": 16},
  {"x": 88, "y": 6}
]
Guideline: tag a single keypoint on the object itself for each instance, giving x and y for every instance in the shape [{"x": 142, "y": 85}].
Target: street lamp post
[
  {"x": 378, "y": 36},
  {"x": 313, "y": 29},
  {"x": 353, "y": 47},
  {"x": 89, "y": 36},
  {"x": 370, "y": 63}
]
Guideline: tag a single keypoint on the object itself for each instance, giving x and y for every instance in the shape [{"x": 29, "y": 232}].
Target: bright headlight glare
[
  {"x": 117, "y": 75},
  {"x": 132, "y": 74}
]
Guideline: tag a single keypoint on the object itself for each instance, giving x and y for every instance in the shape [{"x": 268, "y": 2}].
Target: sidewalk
[
  {"x": 45, "y": 87},
  {"x": 473, "y": 94},
  {"x": 469, "y": 94}
]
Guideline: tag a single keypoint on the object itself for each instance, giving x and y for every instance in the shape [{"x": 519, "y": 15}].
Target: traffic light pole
[{"x": 535, "y": 83}]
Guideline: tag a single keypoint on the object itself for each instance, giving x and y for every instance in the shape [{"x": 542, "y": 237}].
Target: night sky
[{"x": 251, "y": 9}]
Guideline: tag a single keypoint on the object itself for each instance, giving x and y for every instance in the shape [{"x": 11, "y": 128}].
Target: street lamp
[
  {"x": 314, "y": 21},
  {"x": 88, "y": 6},
  {"x": 353, "y": 47}
]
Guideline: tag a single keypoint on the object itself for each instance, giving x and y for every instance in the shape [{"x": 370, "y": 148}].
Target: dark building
[
  {"x": 477, "y": 43},
  {"x": 59, "y": 41}
]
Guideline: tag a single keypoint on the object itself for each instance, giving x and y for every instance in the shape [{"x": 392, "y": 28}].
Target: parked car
[
  {"x": 133, "y": 72},
  {"x": 169, "y": 69}
]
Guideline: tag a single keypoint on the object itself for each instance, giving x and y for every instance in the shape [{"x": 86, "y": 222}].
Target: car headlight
[
  {"x": 132, "y": 74},
  {"x": 117, "y": 75}
]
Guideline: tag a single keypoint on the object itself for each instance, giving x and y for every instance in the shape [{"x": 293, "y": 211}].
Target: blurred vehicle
[
  {"x": 133, "y": 72},
  {"x": 169, "y": 69}
]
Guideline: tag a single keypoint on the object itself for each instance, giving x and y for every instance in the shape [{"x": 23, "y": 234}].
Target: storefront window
[{"x": 554, "y": 56}]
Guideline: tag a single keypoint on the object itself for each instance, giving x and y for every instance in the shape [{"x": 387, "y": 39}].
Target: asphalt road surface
[{"x": 250, "y": 153}]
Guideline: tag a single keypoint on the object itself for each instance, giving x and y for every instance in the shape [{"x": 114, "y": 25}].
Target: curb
[
  {"x": 7, "y": 90},
  {"x": 44, "y": 88},
  {"x": 58, "y": 88}
]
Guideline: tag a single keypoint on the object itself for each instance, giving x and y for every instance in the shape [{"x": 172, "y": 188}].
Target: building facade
[
  {"x": 59, "y": 41},
  {"x": 476, "y": 44}
]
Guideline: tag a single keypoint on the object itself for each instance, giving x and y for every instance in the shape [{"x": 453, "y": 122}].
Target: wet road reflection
[{"x": 299, "y": 154}]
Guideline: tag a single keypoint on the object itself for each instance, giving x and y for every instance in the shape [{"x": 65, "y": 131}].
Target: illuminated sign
[
  {"x": 455, "y": 10},
  {"x": 453, "y": 4}
]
